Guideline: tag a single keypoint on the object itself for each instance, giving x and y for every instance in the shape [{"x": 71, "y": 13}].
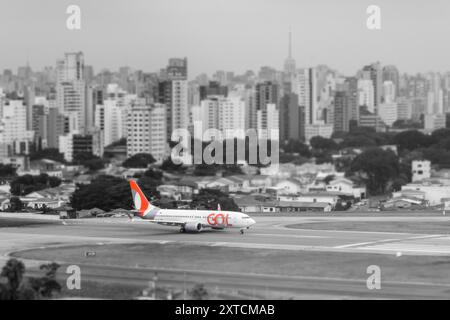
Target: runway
[{"x": 270, "y": 233}]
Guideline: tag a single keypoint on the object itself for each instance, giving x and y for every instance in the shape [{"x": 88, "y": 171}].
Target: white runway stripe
[
  {"x": 284, "y": 235},
  {"x": 352, "y": 245}
]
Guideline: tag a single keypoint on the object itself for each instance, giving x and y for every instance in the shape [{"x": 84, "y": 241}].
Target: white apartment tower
[
  {"x": 268, "y": 122},
  {"x": 14, "y": 135},
  {"x": 71, "y": 97},
  {"x": 366, "y": 94},
  {"x": 147, "y": 132}
]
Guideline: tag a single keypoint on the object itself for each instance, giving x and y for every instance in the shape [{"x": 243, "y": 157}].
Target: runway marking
[
  {"x": 284, "y": 235},
  {"x": 352, "y": 245},
  {"x": 416, "y": 249},
  {"x": 351, "y": 231}
]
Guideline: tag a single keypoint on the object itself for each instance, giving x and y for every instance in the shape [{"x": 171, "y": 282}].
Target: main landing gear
[{"x": 182, "y": 230}]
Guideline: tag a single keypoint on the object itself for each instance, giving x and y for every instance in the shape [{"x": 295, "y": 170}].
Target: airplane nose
[{"x": 252, "y": 222}]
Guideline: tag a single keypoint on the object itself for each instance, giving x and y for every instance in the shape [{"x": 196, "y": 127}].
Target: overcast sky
[{"x": 232, "y": 35}]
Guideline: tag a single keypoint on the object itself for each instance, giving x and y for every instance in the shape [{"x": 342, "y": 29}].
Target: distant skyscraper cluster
[{"x": 74, "y": 109}]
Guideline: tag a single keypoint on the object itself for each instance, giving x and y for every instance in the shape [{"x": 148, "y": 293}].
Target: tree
[
  {"x": 7, "y": 171},
  {"x": 412, "y": 139},
  {"x": 46, "y": 285},
  {"x": 295, "y": 146},
  {"x": 13, "y": 271},
  {"x": 109, "y": 193},
  {"x": 231, "y": 170},
  {"x": 140, "y": 160},
  {"x": 89, "y": 160},
  {"x": 377, "y": 168},
  {"x": 17, "y": 287},
  {"x": 356, "y": 141},
  {"x": 440, "y": 134},
  {"x": 27, "y": 183},
  {"x": 321, "y": 143},
  {"x": 152, "y": 173},
  {"x": 169, "y": 166},
  {"x": 16, "y": 205},
  {"x": 199, "y": 292},
  {"x": 50, "y": 153},
  {"x": 209, "y": 199},
  {"x": 206, "y": 169}
]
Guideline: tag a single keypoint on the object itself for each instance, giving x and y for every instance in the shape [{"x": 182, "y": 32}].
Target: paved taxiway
[{"x": 268, "y": 233}]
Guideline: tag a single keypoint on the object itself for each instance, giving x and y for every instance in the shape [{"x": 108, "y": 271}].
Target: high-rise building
[
  {"x": 289, "y": 63},
  {"x": 213, "y": 89},
  {"x": 435, "y": 97},
  {"x": 71, "y": 91},
  {"x": 305, "y": 86},
  {"x": 434, "y": 121},
  {"x": 206, "y": 114},
  {"x": 177, "y": 69},
  {"x": 71, "y": 67},
  {"x": 351, "y": 87},
  {"x": 14, "y": 135},
  {"x": 40, "y": 125},
  {"x": 292, "y": 122},
  {"x": 73, "y": 144},
  {"x": 391, "y": 73},
  {"x": 315, "y": 130},
  {"x": 388, "y": 112},
  {"x": 227, "y": 114},
  {"x": 373, "y": 72},
  {"x": 265, "y": 93},
  {"x": 232, "y": 113},
  {"x": 109, "y": 118},
  {"x": 55, "y": 125},
  {"x": 341, "y": 112},
  {"x": 147, "y": 133},
  {"x": 366, "y": 94},
  {"x": 404, "y": 108},
  {"x": 173, "y": 93},
  {"x": 71, "y": 101},
  {"x": 372, "y": 120},
  {"x": 389, "y": 92},
  {"x": 268, "y": 122},
  {"x": 346, "y": 106}
]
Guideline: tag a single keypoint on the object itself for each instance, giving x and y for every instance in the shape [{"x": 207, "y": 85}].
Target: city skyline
[{"x": 228, "y": 41}]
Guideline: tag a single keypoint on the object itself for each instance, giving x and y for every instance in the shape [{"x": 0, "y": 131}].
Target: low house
[
  {"x": 248, "y": 204},
  {"x": 42, "y": 203},
  {"x": 51, "y": 167},
  {"x": 312, "y": 197},
  {"x": 346, "y": 187},
  {"x": 239, "y": 183},
  {"x": 433, "y": 191},
  {"x": 62, "y": 192},
  {"x": 260, "y": 182},
  {"x": 405, "y": 202},
  {"x": 66, "y": 212},
  {"x": 295, "y": 206},
  {"x": 255, "y": 204},
  {"x": 288, "y": 186},
  {"x": 178, "y": 190}
]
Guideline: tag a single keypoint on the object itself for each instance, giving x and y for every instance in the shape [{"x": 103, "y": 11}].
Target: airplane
[{"x": 188, "y": 220}]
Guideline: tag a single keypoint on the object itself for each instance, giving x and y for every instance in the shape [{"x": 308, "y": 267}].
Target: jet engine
[{"x": 193, "y": 227}]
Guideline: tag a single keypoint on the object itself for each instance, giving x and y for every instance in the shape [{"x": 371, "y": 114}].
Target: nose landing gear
[{"x": 242, "y": 231}]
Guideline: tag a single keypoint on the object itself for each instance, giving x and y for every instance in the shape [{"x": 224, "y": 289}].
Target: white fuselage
[{"x": 208, "y": 218}]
